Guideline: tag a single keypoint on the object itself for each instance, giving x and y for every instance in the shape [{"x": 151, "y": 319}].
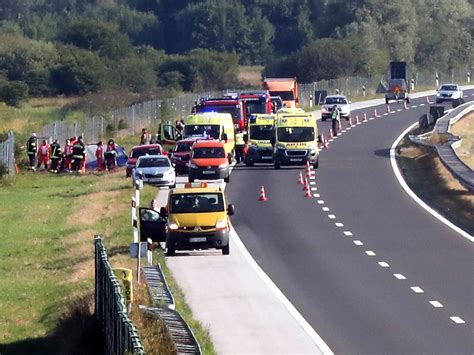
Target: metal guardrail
[
  {"x": 183, "y": 338},
  {"x": 121, "y": 336},
  {"x": 157, "y": 287},
  {"x": 7, "y": 153}
]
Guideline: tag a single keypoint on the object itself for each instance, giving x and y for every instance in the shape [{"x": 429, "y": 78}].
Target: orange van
[{"x": 208, "y": 161}]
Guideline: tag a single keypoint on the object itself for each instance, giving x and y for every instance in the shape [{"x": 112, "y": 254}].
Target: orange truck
[{"x": 286, "y": 88}]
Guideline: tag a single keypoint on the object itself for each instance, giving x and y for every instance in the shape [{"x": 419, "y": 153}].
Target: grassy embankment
[
  {"x": 433, "y": 183},
  {"x": 46, "y": 252},
  {"x": 465, "y": 129}
]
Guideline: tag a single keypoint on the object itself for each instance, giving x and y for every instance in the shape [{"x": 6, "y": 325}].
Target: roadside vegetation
[
  {"x": 465, "y": 129},
  {"x": 433, "y": 183}
]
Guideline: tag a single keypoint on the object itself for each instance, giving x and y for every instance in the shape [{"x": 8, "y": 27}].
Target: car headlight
[
  {"x": 173, "y": 226},
  {"x": 438, "y": 94},
  {"x": 324, "y": 109},
  {"x": 221, "y": 224},
  {"x": 192, "y": 166},
  {"x": 280, "y": 146}
]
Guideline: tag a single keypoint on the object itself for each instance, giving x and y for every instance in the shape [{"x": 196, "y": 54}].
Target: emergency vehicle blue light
[{"x": 253, "y": 118}]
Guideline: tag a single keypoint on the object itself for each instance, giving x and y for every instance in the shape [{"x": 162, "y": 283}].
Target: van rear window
[{"x": 208, "y": 152}]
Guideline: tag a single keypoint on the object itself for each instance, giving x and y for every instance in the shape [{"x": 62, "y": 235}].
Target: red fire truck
[
  {"x": 256, "y": 101},
  {"x": 228, "y": 104}
]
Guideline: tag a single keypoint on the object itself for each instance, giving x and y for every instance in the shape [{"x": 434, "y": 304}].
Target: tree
[{"x": 13, "y": 92}]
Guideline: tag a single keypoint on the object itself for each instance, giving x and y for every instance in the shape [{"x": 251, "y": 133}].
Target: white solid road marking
[
  {"x": 417, "y": 289},
  {"x": 400, "y": 276},
  {"x": 383, "y": 264},
  {"x": 326, "y": 209},
  {"x": 331, "y": 216},
  {"x": 339, "y": 225},
  {"x": 358, "y": 242},
  {"x": 436, "y": 304},
  {"x": 347, "y": 233},
  {"x": 407, "y": 189},
  {"x": 370, "y": 253},
  {"x": 457, "y": 320},
  {"x": 321, "y": 202}
]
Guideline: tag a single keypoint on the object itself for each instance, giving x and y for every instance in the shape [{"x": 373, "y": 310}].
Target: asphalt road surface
[{"x": 367, "y": 267}]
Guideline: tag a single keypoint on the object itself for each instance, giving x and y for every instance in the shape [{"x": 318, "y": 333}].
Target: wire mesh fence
[
  {"x": 121, "y": 336},
  {"x": 7, "y": 153}
]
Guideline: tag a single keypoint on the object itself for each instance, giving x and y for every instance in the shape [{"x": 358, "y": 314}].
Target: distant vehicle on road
[
  {"x": 448, "y": 92},
  {"x": 208, "y": 161},
  {"x": 343, "y": 105},
  {"x": 398, "y": 88},
  {"x": 286, "y": 88},
  {"x": 155, "y": 170},
  {"x": 140, "y": 150},
  {"x": 181, "y": 155}
]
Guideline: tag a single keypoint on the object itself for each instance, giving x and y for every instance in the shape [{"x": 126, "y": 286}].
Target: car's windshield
[
  {"x": 261, "y": 132},
  {"x": 449, "y": 88},
  {"x": 285, "y": 95},
  {"x": 183, "y": 147},
  {"x": 335, "y": 100},
  {"x": 295, "y": 134},
  {"x": 234, "y": 110},
  {"x": 213, "y": 131},
  {"x": 257, "y": 106},
  {"x": 208, "y": 152},
  {"x": 140, "y": 152},
  {"x": 196, "y": 203},
  {"x": 153, "y": 163}
]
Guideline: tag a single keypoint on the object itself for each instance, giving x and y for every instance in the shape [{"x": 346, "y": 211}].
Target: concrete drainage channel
[{"x": 164, "y": 309}]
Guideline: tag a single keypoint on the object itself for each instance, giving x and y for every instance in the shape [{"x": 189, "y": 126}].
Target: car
[
  {"x": 343, "y": 105},
  {"x": 208, "y": 161},
  {"x": 197, "y": 218},
  {"x": 155, "y": 170},
  {"x": 181, "y": 155},
  {"x": 140, "y": 150},
  {"x": 448, "y": 92}
]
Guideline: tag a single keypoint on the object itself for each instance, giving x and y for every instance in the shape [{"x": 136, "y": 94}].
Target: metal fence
[
  {"x": 130, "y": 120},
  {"x": 7, "y": 153},
  {"x": 121, "y": 336}
]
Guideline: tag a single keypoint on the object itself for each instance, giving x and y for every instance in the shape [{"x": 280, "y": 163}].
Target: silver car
[
  {"x": 448, "y": 92},
  {"x": 342, "y": 103},
  {"x": 156, "y": 170}
]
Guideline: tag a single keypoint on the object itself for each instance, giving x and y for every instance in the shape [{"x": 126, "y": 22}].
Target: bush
[{"x": 13, "y": 92}]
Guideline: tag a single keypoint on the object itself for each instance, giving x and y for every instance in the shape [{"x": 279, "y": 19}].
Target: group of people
[
  {"x": 147, "y": 138},
  {"x": 72, "y": 157}
]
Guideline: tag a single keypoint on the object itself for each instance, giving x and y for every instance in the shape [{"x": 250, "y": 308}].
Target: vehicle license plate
[
  {"x": 266, "y": 157},
  {"x": 197, "y": 239},
  {"x": 296, "y": 159},
  {"x": 208, "y": 172}
]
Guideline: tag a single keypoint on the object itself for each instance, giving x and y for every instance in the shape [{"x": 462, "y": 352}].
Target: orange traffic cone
[
  {"x": 325, "y": 143},
  {"x": 350, "y": 122},
  {"x": 357, "y": 119},
  {"x": 308, "y": 190},
  {"x": 262, "y": 197},
  {"x": 428, "y": 100},
  {"x": 365, "y": 117},
  {"x": 306, "y": 185},
  {"x": 375, "y": 113},
  {"x": 340, "y": 126},
  {"x": 300, "y": 180},
  {"x": 331, "y": 134}
]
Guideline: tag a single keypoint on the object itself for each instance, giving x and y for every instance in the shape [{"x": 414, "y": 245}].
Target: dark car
[
  {"x": 181, "y": 155},
  {"x": 140, "y": 150}
]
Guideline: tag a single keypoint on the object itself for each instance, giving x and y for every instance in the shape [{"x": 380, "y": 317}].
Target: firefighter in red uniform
[
  {"x": 43, "y": 154},
  {"x": 99, "y": 154}
]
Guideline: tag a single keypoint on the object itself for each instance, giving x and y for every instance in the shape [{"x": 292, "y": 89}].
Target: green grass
[{"x": 465, "y": 129}]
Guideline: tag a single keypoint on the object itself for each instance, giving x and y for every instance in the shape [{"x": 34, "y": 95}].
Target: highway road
[{"x": 368, "y": 268}]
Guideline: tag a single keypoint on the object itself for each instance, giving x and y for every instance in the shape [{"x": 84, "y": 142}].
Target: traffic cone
[
  {"x": 262, "y": 197},
  {"x": 339, "y": 126},
  {"x": 350, "y": 122},
  {"x": 405, "y": 105},
  {"x": 365, "y": 117},
  {"x": 306, "y": 185},
  {"x": 300, "y": 180},
  {"x": 428, "y": 100},
  {"x": 375, "y": 113},
  {"x": 308, "y": 191},
  {"x": 331, "y": 134},
  {"x": 325, "y": 142},
  {"x": 357, "y": 119}
]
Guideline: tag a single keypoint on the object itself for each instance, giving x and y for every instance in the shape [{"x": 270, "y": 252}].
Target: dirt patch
[{"x": 465, "y": 129}]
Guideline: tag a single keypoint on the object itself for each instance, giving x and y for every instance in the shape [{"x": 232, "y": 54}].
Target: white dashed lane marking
[
  {"x": 421, "y": 105},
  {"x": 331, "y": 216},
  {"x": 417, "y": 289},
  {"x": 371, "y": 118},
  {"x": 320, "y": 202},
  {"x": 385, "y": 114},
  {"x": 312, "y": 182},
  {"x": 398, "y": 110},
  {"x": 314, "y": 189},
  {"x": 400, "y": 276},
  {"x": 436, "y": 304},
  {"x": 370, "y": 252},
  {"x": 339, "y": 225},
  {"x": 457, "y": 320},
  {"x": 383, "y": 264},
  {"x": 415, "y": 106},
  {"x": 358, "y": 242},
  {"x": 316, "y": 195},
  {"x": 326, "y": 209},
  {"x": 347, "y": 233}
]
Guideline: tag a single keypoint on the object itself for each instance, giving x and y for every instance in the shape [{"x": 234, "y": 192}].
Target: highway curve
[{"x": 367, "y": 267}]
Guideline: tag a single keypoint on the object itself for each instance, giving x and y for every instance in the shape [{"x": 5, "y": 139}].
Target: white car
[
  {"x": 156, "y": 170},
  {"x": 448, "y": 92},
  {"x": 342, "y": 103}
]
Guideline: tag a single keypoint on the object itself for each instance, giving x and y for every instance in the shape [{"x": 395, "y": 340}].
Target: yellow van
[
  {"x": 260, "y": 131},
  {"x": 295, "y": 139},
  {"x": 212, "y": 125},
  {"x": 198, "y": 218}
]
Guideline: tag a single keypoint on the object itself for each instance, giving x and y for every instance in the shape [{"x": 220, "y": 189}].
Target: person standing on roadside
[
  {"x": 55, "y": 155},
  {"x": 43, "y": 155},
  {"x": 78, "y": 154},
  {"x": 99, "y": 154},
  {"x": 239, "y": 146},
  {"x": 111, "y": 155},
  {"x": 335, "y": 117},
  {"x": 145, "y": 138},
  {"x": 32, "y": 150},
  {"x": 67, "y": 159}
]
